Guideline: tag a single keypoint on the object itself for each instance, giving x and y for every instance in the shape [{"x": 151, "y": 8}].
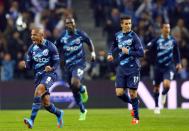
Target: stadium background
[{"x": 100, "y": 19}]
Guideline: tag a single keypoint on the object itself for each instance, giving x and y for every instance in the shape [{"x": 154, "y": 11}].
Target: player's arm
[
  {"x": 59, "y": 47},
  {"x": 113, "y": 47},
  {"x": 28, "y": 62},
  {"x": 150, "y": 46},
  {"x": 90, "y": 45},
  {"x": 55, "y": 59},
  {"x": 176, "y": 54},
  {"x": 138, "y": 50}
]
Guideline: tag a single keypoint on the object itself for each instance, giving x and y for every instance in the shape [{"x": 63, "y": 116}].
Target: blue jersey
[
  {"x": 129, "y": 62},
  {"x": 71, "y": 48},
  {"x": 40, "y": 56},
  {"x": 166, "y": 51}
]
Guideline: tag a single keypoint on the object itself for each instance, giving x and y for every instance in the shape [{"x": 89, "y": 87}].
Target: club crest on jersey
[
  {"x": 45, "y": 52},
  {"x": 77, "y": 41},
  {"x": 33, "y": 53},
  {"x": 64, "y": 40}
]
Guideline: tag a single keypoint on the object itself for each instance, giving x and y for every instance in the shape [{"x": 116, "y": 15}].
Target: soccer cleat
[
  {"x": 60, "y": 121},
  {"x": 163, "y": 99},
  {"x": 84, "y": 96},
  {"x": 28, "y": 122},
  {"x": 132, "y": 113},
  {"x": 83, "y": 115},
  {"x": 157, "y": 110},
  {"x": 135, "y": 121}
]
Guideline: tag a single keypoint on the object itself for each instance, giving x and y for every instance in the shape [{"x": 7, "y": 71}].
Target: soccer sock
[
  {"x": 165, "y": 90},
  {"x": 135, "y": 107},
  {"x": 35, "y": 107},
  {"x": 77, "y": 97},
  {"x": 125, "y": 98},
  {"x": 156, "y": 96},
  {"x": 81, "y": 89},
  {"x": 52, "y": 109}
]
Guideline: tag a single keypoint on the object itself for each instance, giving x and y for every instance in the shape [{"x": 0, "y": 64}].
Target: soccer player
[
  {"x": 43, "y": 58},
  {"x": 167, "y": 56},
  {"x": 70, "y": 45},
  {"x": 129, "y": 46}
]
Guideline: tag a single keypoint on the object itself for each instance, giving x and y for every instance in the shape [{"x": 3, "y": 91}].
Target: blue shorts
[
  {"x": 124, "y": 80},
  {"x": 77, "y": 72},
  {"x": 163, "y": 74},
  {"x": 46, "y": 79}
]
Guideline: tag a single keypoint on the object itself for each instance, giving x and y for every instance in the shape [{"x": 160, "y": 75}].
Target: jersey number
[
  {"x": 171, "y": 75},
  {"x": 136, "y": 79}
]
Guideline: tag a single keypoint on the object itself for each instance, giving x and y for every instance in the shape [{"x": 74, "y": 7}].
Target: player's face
[
  {"x": 166, "y": 29},
  {"x": 36, "y": 36},
  {"x": 126, "y": 25},
  {"x": 70, "y": 26}
]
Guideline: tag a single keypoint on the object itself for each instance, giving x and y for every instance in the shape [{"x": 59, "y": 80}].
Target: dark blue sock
[
  {"x": 165, "y": 90},
  {"x": 156, "y": 96},
  {"x": 52, "y": 109},
  {"x": 81, "y": 89},
  {"x": 77, "y": 97},
  {"x": 35, "y": 107},
  {"x": 125, "y": 98},
  {"x": 135, "y": 107}
]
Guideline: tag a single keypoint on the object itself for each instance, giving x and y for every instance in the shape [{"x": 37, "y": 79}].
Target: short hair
[
  {"x": 164, "y": 23},
  {"x": 125, "y": 17},
  {"x": 69, "y": 20},
  {"x": 39, "y": 30}
]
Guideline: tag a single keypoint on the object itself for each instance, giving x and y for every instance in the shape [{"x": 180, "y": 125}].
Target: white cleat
[
  {"x": 157, "y": 110},
  {"x": 163, "y": 99}
]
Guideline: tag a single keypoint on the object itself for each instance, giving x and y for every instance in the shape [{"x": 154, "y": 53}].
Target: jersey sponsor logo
[
  {"x": 46, "y": 52},
  {"x": 72, "y": 48},
  {"x": 167, "y": 45},
  {"x": 39, "y": 59},
  {"x": 125, "y": 43}
]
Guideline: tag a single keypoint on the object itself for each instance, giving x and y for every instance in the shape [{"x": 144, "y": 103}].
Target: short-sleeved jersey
[
  {"x": 40, "y": 56},
  {"x": 166, "y": 51},
  {"x": 71, "y": 48},
  {"x": 129, "y": 62}
]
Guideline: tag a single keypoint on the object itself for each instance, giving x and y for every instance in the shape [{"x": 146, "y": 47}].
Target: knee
[
  {"x": 133, "y": 94},
  {"x": 39, "y": 90},
  {"x": 46, "y": 100},
  {"x": 156, "y": 89},
  {"x": 119, "y": 92},
  {"x": 75, "y": 83},
  {"x": 166, "y": 83}
]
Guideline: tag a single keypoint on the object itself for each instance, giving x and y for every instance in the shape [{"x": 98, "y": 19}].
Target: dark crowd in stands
[{"x": 17, "y": 17}]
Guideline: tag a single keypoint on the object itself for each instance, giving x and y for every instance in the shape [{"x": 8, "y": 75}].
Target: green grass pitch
[{"x": 98, "y": 120}]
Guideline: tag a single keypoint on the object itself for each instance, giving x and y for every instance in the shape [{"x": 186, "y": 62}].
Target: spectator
[{"x": 7, "y": 67}]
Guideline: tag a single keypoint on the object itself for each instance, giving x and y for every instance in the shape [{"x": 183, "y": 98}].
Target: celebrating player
[{"x": 43, "y": 58}]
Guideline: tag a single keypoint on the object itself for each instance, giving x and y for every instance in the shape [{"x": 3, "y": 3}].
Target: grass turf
[{"x": 98, "y": 120}]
